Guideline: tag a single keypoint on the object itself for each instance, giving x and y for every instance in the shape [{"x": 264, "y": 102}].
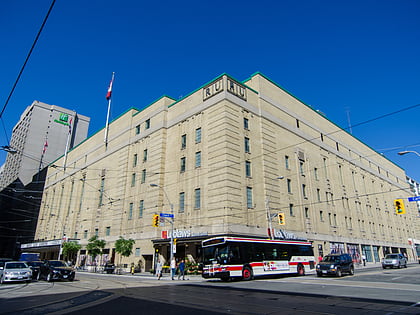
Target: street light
[
  {"x": 269, "y": 217},
  {"x": 8, "y": 149},
  {"x": 172, "y": 221},
  {"x": 405, "y": 152}
]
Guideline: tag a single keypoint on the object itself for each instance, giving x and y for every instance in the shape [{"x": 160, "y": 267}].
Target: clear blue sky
[{"x": 357, "y": 59}]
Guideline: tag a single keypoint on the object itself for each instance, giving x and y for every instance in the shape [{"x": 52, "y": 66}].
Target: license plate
[
  {"x": 324, "y": 271},
  {"x": 65, "y": 276},
  {"x": 20, "y": 277}
]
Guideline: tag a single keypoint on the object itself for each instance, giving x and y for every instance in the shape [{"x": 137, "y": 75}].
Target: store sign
[
  {"x": 182, "y": 234},
  {"x": 220, "y": 85},
  {"x": 284, "y": 235}
]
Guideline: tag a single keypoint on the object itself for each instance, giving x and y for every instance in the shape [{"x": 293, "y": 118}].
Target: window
[
  {"x": 197, "y": 198},
  {"x": 147, "y": 124},
  {"x": 304, "y": 191},
  {"x": 318, "y": 194},
  {"x": 286, "y": 162},
  {"x": 302, "y": 168},
  {"x": 137, "y": 129},
  {"x": 108, "y": 231},
  {"x": 133, "y": 179},
  {"x": 135, "y": 160},
  {"x": 321, "y": 216},
  {"x": 289, "y": 186},
  {"x": 329, "y": 219},
  {"x": 306, "y": 212},
  {"x": 198, "y": 135},
  {"x": 85, "y": 233},
  {"x": 297, "y": 123},
  {"x": 96, "y": 232},
  {"x": 249, "y": 203},
  {"x": 183, "y": 141},
  {"x": 182, "y": 165},
  {"x": 143, "y": 176},
  {"x": 130, "y": 211},
  {"x": 181, "y": 202},
  {"x": 144, "y": 155},
  {"x": 291, "y": 209},
  {"x": 316, "y": 173},
  {"x": 137, "y": 252},
  {"x": 246, "y": 123},
  {"x": 247, "y": 148},
  {"x": 198, "y": 159},
  {"x": 141, "y": 208},
  {"x": 75, "y": 235},
  {"x": 247, "y": 168}
]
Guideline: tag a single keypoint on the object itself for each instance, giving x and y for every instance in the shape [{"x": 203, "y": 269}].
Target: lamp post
[
  {"x": 171, "y": 221},
  {"x": 8, "y": 149},
  {"x": 405, "y": 152},
  {"x": 269, "y": 216}
]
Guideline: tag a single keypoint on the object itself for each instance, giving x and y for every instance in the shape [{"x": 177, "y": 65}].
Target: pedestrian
[
  {"x": 159, "y": 267},
  {"x": 173, "y": 268},
  {"x": 181, "y": 268},
  {"x": 364, "y": 259},
  {"x": 132, "y": 269}
]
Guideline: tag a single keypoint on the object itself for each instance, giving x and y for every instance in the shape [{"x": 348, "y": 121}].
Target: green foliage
[
  {"x": 124, "y": 247},
  {"x": 70, "y": 249},
  {"x": 95, "y": 246}
]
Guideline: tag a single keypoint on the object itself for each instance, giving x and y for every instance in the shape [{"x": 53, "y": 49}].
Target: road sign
[
  {"x": 166, "y": 215},
  {"x": 416, "y": 198}
]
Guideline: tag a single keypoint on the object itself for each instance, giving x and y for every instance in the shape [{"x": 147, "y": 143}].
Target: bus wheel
[
  {"x": 300, "y": 270},
  {"x": 246, "y": 274}
]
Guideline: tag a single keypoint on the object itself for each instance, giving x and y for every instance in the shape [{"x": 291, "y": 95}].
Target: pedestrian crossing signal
[
  {"x": 155, "y": 221},
  {"x": 281, "y": 217},
  {"x": 399, "y": 206}
]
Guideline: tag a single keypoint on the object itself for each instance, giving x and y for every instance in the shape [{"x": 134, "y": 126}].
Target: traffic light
[
  {"x": 156, "y": 220},
  {"x": 399, "y": 206},
  {"x": 282, "y": 218}
]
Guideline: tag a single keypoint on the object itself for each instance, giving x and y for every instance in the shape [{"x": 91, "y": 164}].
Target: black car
[
  {"x": 56, "y": 270},
  {"x": 109, "y": 268},
  {"x": 335, "y": 264},
  {"x": 36, "y": 268}
]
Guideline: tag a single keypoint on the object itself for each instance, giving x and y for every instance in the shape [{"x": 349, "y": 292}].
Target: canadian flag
[
  {"x": 108, "y": 94},
  {"x": 45, "y": 147}
]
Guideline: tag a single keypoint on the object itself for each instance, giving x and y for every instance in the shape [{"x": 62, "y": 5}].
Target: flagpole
[
  {"x": 68, "y": 142},
  {"x": 108, "y": 96}
]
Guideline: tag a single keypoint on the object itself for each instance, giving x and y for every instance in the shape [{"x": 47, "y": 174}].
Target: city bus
[{"x": 245, "y": 258}]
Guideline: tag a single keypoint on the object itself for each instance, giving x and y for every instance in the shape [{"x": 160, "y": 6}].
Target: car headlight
[
  {"x": 332, "y": 267},
  {"x": 56, "y": 271},
  {"x": 318, "y": 266}
]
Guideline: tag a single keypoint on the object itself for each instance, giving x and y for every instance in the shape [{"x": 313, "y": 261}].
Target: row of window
[{"x": 146, "y": 126}]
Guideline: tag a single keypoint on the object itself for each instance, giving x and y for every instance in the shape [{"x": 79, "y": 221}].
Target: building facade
[
  {"x": 40, "y": 136},
  {"x": 226, "y": 159}
]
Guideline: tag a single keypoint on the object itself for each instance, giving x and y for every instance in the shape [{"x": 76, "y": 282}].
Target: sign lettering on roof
[{"x": 223, "y": 84}]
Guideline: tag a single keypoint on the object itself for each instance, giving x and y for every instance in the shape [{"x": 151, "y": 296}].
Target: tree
[
  {"x": 70, "y": 249},
  {"x": 124, "y": 247},
  {"x": 95, "y": 247}
]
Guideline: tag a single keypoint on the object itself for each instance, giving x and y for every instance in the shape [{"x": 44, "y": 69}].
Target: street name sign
[
  {"x": 416, "y": 198},
  {"x": 166, "y": 215}
]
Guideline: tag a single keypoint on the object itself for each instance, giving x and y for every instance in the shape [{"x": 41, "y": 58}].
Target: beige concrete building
[{"x": 226, "y": 157}]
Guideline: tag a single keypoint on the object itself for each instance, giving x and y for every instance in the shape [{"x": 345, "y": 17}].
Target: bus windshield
[{"x": 221, "y": 254}]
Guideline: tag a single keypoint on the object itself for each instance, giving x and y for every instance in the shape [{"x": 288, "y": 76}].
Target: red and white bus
[{"x": 235, "y": 257}]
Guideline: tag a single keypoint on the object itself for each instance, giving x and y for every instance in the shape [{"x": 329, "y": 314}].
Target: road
[{"x": 370, "y": 291}]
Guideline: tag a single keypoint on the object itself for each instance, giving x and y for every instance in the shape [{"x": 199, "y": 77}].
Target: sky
[{"x": 353, "y": 60}]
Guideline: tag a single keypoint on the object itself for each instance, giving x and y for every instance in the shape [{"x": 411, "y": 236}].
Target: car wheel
[
  {"x": 71, "y": 279},
  {"x": 319, "y": 274},
  {"x": 246, "y": 274},
  {"x": 49, "y": 277},
  {"x": 300, "y": 270},
  {"x": 338, "y": 272},
  {"x": 1, "y": 280},
  {"x": 399, "y": 265},
  {"x": 38, "y": 276},
  {"x": 351, "y": 271}
]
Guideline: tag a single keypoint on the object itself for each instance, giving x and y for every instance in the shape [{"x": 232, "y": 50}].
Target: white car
[
  {"x": 15, "y": 271},
  {"x": 394, "y": 260}
]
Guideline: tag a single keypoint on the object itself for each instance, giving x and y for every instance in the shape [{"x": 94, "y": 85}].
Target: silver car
[
  {"x": 15, "y": 271},
  {"x": 394, "y": 260}
]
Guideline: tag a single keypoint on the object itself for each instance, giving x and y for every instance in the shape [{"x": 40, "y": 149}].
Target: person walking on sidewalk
[
  {"x": 173, "y": 267},
  {"x": 159, "y": 267},
  {"x": 364, "y": 259},
  {"x": 181, "y": 268}
]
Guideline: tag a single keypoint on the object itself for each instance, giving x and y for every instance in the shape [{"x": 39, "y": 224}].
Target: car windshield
[
  {"x": 58, "y": 263},
  {"x": 331, "y": 259},
  {"x": 391, "y": 257},
  {"x": 16, "y": 265},
  {"x": 35, "y": 263}
]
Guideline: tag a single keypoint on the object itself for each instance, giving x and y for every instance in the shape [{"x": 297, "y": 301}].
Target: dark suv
[{"x": 335, "y": 264}]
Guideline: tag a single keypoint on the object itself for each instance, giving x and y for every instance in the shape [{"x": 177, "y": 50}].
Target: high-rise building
[
  {"x": 225, "y": 159},
  {"x": 43, "y": 134}
]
